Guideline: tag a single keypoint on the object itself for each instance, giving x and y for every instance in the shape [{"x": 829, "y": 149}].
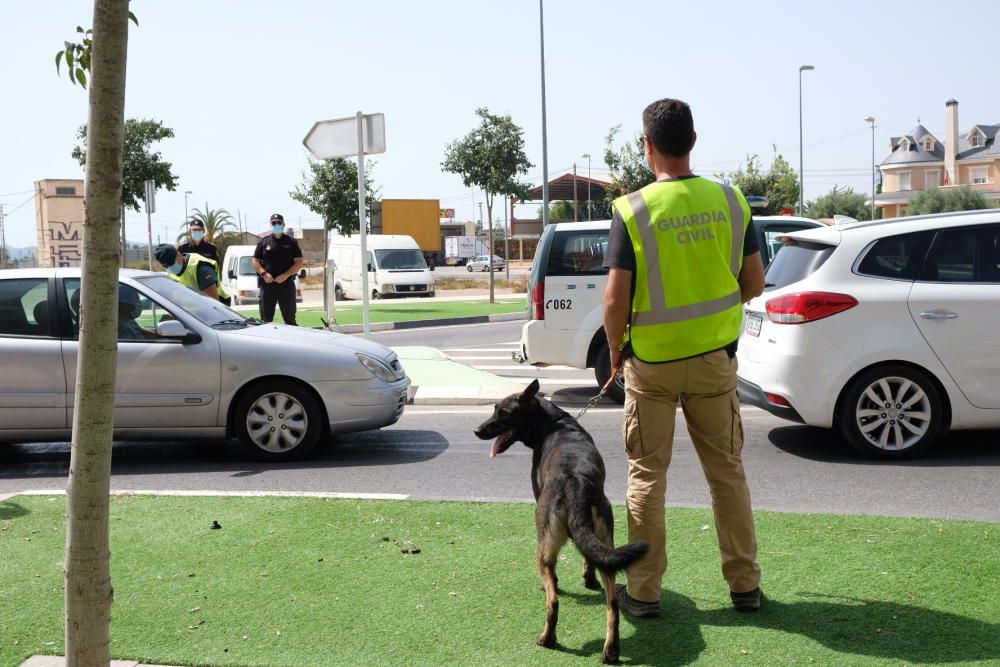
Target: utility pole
[
  {"x": 545, "y": 140},
  {"x": 3, "y": 242},
  {"x": 576, "y": 205}
]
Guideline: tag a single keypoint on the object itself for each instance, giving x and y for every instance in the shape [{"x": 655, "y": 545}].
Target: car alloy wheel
[
  {"x": 278, "y": 420},
  {"x": 891, "y": 412}
]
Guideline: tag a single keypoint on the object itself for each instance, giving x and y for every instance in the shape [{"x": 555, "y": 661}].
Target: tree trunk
[{"x": 87, "y": 568}]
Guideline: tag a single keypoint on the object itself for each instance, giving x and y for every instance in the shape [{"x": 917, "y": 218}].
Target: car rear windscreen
[
  {"x": 578, "y": 253},
  {"x": 796, "y": 261}
]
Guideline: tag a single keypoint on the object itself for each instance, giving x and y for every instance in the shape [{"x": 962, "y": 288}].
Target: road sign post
[
  {"x": 150, "y": 210},
  {"x": 330, "y": 139}
]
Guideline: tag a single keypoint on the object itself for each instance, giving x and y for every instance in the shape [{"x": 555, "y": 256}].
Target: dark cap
[
  {"x": 165, "y": 254},
  {"x": 196, "y": 224},
  {"x": 277, "y": 217}
]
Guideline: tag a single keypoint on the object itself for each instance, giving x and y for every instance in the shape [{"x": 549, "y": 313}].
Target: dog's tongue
[{"x": 498, "y": 443}]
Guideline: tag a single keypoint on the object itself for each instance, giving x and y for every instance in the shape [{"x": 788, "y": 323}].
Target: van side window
[{"x": 578, "y": 253}]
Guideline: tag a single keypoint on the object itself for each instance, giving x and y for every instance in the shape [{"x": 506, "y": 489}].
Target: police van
[{"x": 566, "y": 294}]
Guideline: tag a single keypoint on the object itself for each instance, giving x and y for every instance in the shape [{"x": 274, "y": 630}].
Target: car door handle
[{"x": 938, "y": 315}]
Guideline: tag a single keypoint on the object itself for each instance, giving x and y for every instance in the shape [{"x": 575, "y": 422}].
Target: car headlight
[{"x": 376, "y": 367}]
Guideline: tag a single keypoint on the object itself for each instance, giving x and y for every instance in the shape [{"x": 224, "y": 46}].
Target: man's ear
[{"x": 529, "y": 392}]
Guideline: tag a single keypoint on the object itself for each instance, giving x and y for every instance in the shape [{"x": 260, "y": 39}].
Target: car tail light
[
  {"x": 801, "y": 307},
  {"x": 538, "y": 301},
  {"x": 775, "y": 399}
]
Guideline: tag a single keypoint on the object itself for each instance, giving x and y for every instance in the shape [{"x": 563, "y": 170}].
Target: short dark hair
[{"x": 668, "y": 125}]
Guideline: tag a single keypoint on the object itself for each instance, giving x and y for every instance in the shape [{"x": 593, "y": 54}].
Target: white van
[
  {"x": 395, "y": 263},
  {"x": 240, "y": 280}
]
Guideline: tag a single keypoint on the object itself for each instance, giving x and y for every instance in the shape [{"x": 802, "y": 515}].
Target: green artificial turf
[
  {"x": 292, "y": 581},
  {"x": 404, "y": 310}
]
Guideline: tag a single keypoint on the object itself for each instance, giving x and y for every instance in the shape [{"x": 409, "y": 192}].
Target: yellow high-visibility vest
[
  {"x": 688, "y": 240},
  {"x": 189, "y": 276}
]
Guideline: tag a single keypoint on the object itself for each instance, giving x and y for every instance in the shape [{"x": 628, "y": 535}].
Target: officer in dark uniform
[
  {"x": 277, "y": 260},
  {"x": 198, "y": 245}
]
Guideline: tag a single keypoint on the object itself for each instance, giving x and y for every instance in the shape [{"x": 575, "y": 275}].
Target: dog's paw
[
  {"x": 591, "y": 583},
  {"x": 548, "y": 641},
  {"x": 610, "y": 656}
]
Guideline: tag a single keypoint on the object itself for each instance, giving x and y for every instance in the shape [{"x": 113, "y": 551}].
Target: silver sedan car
[{"x": 188, "y": 367}]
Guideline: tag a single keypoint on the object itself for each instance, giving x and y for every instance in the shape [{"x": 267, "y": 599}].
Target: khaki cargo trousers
[{"x": 706, "y": 388}]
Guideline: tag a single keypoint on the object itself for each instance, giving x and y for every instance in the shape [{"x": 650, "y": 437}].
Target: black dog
[{"x": 567, "y": 476}]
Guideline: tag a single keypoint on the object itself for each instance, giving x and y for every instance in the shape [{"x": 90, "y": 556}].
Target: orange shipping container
[{"x": 419, "y": 218}]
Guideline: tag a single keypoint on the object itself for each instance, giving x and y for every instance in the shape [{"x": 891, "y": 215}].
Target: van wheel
[
  {"x": 278, "y": 421},
  {"x": 376, "y": 295},
  {"x": 338, "y": 293},
  {"x": 891, "y": 412},
  {"x": 602, "y": 371}
]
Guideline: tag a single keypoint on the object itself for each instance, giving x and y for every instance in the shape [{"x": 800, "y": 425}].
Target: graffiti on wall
[{"x": 63, "y": 243}]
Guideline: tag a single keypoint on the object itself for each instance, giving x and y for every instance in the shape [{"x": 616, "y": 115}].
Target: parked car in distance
[
  {"x": 188, "y": 368},
  {"x": 483, "y": 263},
  {"x": 566, "y": 295},
  {"x": 240, "y": 280},
  {"x": 887, "y": 330}
]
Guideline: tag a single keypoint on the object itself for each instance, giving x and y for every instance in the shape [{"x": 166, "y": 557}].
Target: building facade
[
  {"x": 59, "y": 221},
  {"x": 919, "y": 160}
]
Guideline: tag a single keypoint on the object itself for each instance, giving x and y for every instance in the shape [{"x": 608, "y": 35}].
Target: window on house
[
  {"x": 976, "y": 140},
  {"x": 65, "y": 192},
  {"x": 932, "y": 179},
  {"x": 928, "y": 145},
  {"x": 904, "y": 181},
  {"x": 979, "y": 175},
  {"x": 904, "y": 145}
]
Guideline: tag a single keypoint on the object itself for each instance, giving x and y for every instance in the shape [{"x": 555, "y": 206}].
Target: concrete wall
[{"x": 59, "y": 221}]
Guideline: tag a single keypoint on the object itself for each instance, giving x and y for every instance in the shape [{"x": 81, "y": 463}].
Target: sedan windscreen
[{"x": 797, "y": 261}]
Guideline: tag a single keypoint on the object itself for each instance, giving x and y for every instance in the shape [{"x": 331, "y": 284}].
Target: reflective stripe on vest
[
  {"x": 189, "y": 277},
  {"x": 688, "y": 241},
  {"x": 660, "y": 313}
]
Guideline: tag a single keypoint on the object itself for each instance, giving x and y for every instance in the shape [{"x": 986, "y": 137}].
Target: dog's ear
[{"x": 529, "y": 392}]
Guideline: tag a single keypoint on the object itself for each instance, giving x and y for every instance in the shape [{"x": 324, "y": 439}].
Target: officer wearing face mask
[
  {"x": 277, "y": 260},
  {"x": 197, "y": 272},
  {"x": 198, "y": 244}
]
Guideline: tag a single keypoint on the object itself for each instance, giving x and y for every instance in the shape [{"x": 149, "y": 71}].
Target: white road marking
[
  {"x": 478, "y": 358},
  {"x": 528, "y": 367},
  {"x": 247, "y": 494}
]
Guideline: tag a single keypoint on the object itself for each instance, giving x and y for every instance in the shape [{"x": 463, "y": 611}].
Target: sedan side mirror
[{"x": 176, "y": 330}]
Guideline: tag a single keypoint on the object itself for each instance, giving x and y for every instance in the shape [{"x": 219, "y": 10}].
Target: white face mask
[
  {"x": 175, "y": 269},
  {"x": 197, "y": 236}
]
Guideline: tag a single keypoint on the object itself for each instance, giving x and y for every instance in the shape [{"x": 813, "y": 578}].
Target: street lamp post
[
  {"x": 802, "y": 68},
  {"x": 186, "y": 193},
  {"x": 589, "y": 206},
  {"x": 871, "y": 119},
  {"x": 545, "y": 143}
]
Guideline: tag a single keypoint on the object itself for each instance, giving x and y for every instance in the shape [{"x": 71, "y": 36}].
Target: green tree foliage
[
  {"x": 329, "y": 188},
  {"x": 141, "y": 163},
  {"x": 77, "y": 54},
  {"x": 490, "y": 157},
  {"x": 627, "y": 164},
  {"x": 940, "y": 200},
  {"x": 562, "y": 210},
  {"x": 840, "y": 201},
  {"x": 779, "y": 183}
]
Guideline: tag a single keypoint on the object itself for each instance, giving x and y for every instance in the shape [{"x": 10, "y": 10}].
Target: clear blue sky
[{"x": 241, "y": 82}]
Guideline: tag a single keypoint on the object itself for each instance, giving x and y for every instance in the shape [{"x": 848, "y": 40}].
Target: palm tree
[{"x": 218, "y": 224}]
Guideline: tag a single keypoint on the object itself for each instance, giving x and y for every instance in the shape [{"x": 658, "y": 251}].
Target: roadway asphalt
[{"x": 432, "y": 453}]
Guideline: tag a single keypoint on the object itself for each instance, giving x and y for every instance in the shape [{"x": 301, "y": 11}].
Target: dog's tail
[{"x": 604, "y": 557}]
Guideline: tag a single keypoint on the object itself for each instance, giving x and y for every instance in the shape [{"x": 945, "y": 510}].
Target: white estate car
[
  {"x": 566, "y": 294},
  {"x": 889, "y": 330}
]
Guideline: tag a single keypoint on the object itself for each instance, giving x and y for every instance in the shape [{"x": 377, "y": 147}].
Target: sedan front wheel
[
  {"x": 891, "y": 412},
  {"x": 278, "y": 421}
]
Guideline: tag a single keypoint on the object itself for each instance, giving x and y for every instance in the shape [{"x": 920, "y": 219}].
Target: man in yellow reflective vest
[
  {"x": 682, "y": 259},
  {"x": 199, "y": 273}
]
